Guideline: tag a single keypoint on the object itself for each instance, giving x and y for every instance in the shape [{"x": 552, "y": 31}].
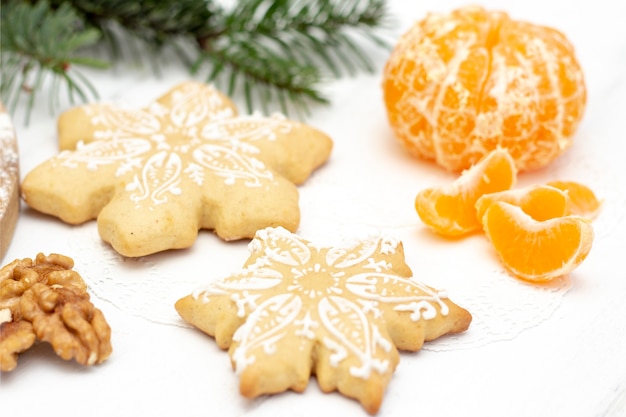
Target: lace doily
[{"x": 502, "y": 306}]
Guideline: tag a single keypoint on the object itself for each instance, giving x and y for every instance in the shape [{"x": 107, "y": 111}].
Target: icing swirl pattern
[
  {"x": 161, "y": 145},
  {"x": 185, "y": 162},
  {"x": 349, "y": 308}
]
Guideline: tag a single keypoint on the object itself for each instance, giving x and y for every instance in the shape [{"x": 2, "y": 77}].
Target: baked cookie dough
[
  {"x": 156, "y": 175},
  {"x": 341, "y": 313}
]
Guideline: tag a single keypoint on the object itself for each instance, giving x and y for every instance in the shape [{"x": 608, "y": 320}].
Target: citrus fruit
[
  {"x": 450, "y": 209},
  {"x": 541, "y": 202},
  {"x": 583, "y": 200},
  {"x": 458, "y": 85},
  {"x": 537, "y": 250}
]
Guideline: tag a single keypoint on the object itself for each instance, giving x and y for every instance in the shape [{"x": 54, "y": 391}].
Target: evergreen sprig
[
  {"x": 288, "y": 44},
  {"x": 275, "y": 53},
  {"x": 36, "y": 41}
]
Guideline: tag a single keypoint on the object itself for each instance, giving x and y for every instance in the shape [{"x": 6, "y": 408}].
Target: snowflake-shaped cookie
[
  {"x": 154, "y": 176},
  {"x": 341, "y": 313}
]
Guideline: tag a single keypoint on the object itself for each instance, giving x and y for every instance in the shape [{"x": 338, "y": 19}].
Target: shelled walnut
[{"x": 46, "y": 300}]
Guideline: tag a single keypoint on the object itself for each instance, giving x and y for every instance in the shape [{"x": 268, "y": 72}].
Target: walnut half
[{"x": 46, "y": 300}]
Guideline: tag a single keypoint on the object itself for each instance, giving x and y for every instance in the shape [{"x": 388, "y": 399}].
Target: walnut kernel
[{"x": 46, "y": 300}]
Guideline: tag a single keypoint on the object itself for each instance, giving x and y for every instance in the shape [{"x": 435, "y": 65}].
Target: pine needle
[{"x": 275, "y": 53}]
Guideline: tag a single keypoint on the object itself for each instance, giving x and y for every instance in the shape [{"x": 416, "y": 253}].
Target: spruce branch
[
  {"x": 156, "y": 22},
  {"x": 275, "y": 53},
  {"x": 252, "y": 66},
  {"x": 316, "y": 39},
  {"x": 36, "y": 41}
]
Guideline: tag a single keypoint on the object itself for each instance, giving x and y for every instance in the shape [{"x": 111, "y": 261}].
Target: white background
[{"x": 530, "y": 351}]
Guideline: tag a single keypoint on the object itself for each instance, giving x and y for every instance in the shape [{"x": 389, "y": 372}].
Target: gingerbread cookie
[
  {"x": 341, "y": 313},
  {"x": 9, "y": 181},
  {"x": 44, "y": 299},
  {"x": 154, "y": 176}
]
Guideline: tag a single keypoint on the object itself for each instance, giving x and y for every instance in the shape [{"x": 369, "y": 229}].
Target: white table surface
[{"x": 530, "y": 351}]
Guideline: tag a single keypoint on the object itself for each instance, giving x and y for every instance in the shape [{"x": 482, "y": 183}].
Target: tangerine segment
[
  {"x": 458, "y": 85},
  {"x": 533, "y": 250},
  {"x": 541, "y": 202},
  {"x": 450, "y": 209},
  {"x": 583, "y": 201}
]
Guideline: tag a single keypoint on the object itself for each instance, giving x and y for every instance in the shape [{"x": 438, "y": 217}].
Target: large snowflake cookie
[
  {"x": 341, "y": 313},
  {"x": 154, "y": 176}
]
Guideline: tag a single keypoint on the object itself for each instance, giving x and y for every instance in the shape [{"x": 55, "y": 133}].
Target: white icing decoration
[
  {"x": 418, "y": 310},
  {"x": 264, "y": 327},
  {"x": 296, "y": 252},
  {"x": 362, "y": 344},
  {"x": 410, "y": 293},
  {"x": 189, "y": 109},
  {"x": 244, "y": 300},
  {"x": 257, "y": 128},
  {"x": 232, "y": 165},
  {"x": 339, "y": 351},
  {"x": 125, "y": 153},
  {"x": 377, "y": 266},
  {"x": 306, "y": 325},
  {"x": 160, "y": 175},
  {"x": 369, "y": 306},
  {"x": 134, "y": 121},
  {"x": 192, "y": 133},
  {"x": 346, "y": 257},
  {"x": 388, "y": 245},
  {"x": 344, "y": 311},
  {"x": 252, "y": 279}
]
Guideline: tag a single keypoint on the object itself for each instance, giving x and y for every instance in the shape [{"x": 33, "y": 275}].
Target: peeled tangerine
[
  {"x": 457, "y": 85},
  {"x": 450, "y": 209},
  {"x": 537, "y": 250}
]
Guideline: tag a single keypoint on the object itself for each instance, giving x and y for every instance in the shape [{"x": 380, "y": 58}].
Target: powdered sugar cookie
[
  {"x": 9, "y": 181},
  {"x": 341, "y": 313},
  {"x": 154, "y": 176}
]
